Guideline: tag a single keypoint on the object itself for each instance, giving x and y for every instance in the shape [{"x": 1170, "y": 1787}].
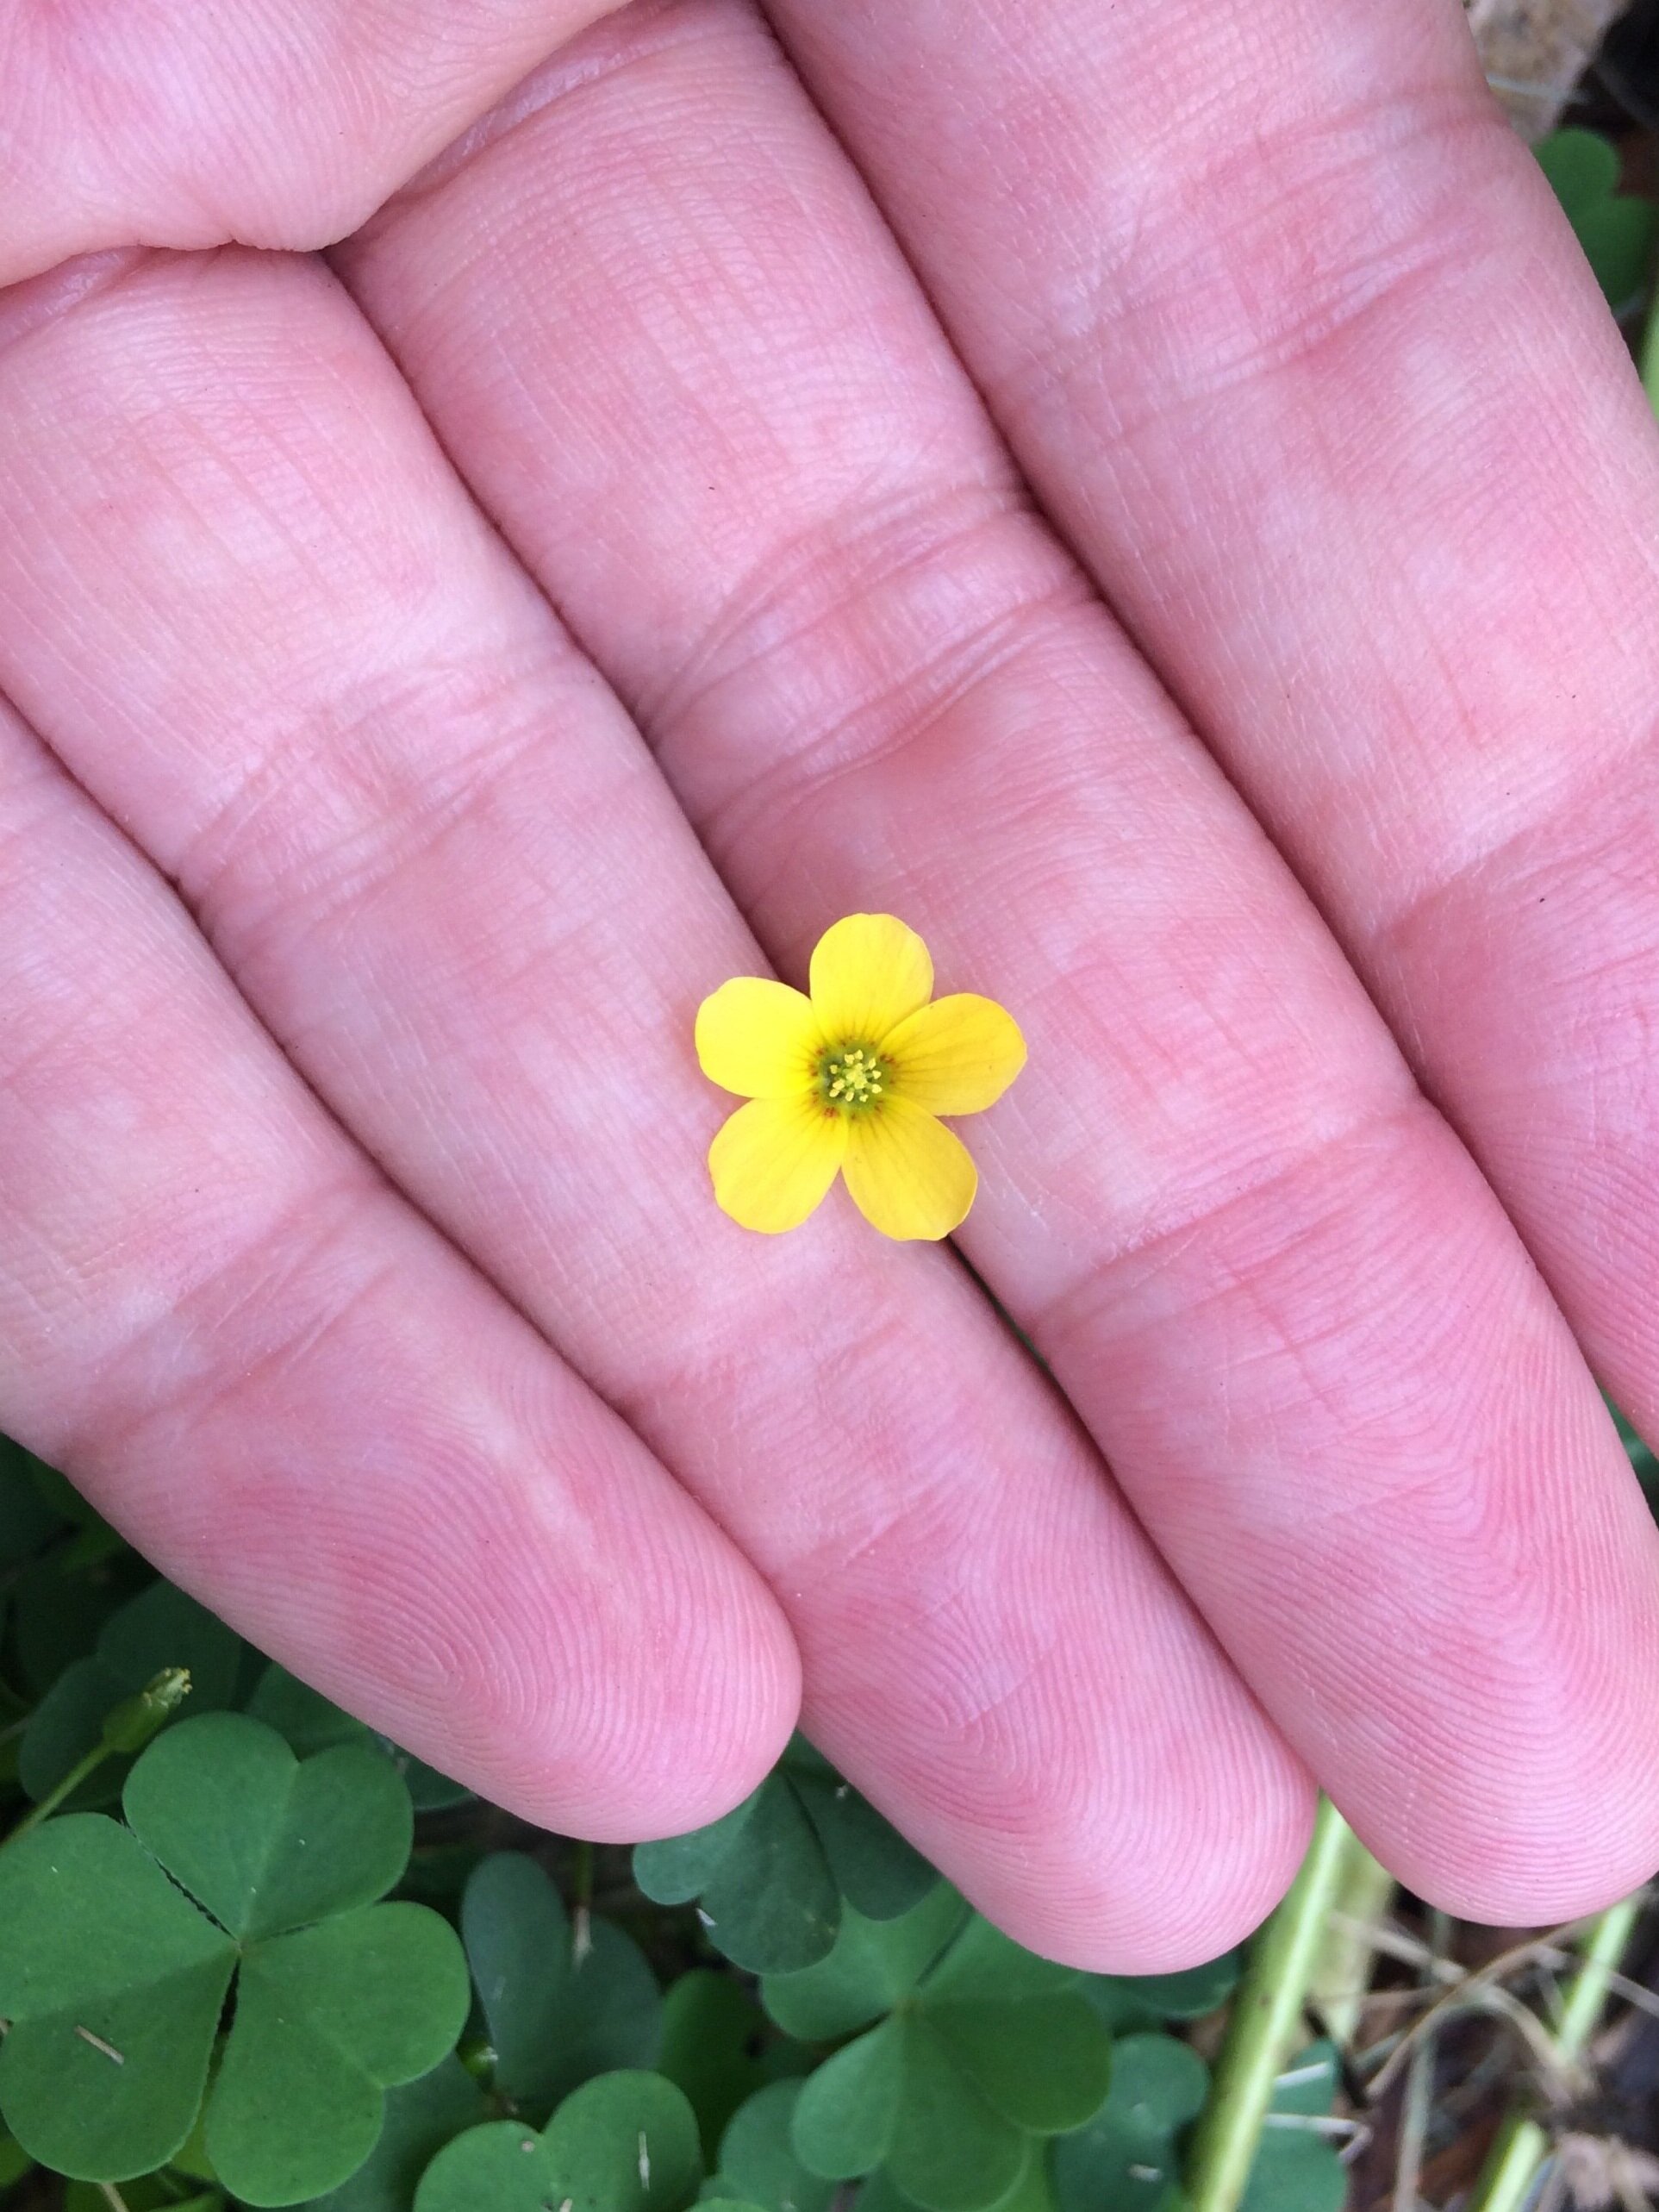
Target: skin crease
[{"x": 673, "y": 352}]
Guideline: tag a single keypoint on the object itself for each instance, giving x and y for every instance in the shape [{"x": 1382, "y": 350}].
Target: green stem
[
  {"x": 582, "y": 1875},
  {"x": 1342, "y": 1970},
  {"x": 55, "y": 1796},
  {"x": 1522, "y": 2145},
  {"x": 127, "y": 1728},
  {"x": 1265, "y": 2023}
]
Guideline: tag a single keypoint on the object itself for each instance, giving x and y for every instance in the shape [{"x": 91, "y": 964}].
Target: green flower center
[{"x": 854, "y": 1078}]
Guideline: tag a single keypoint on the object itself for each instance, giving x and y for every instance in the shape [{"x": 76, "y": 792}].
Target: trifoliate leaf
[
  {"x": 771, "y": 1875},
  {"x": 115, "y": 1980},
  {"x": 625, "y": 2142},
  {"x": 161, "y": 1627},
  {"x": 555, "y": 2019},
  {"x": 986, "y": 2048},
  {"x": 420, "y": 2118},
  {"x": 265, "y": 1842},
  {"x": 1128, "y": 2155},
  {"x": 326, "y": 2019},
  {"x": 113, "y": 1983},
  {"x": 874, "y": 1965}
]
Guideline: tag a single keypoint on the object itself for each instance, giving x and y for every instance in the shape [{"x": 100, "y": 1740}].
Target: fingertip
[
  {"x": 1167, "y": 1894},
  {"x": 699, "y": 1754}
]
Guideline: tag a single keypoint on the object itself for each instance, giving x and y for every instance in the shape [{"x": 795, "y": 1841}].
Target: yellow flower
[{"x": 851, "y": 1080}]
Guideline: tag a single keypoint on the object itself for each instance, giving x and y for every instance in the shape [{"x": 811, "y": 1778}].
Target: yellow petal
[
  {"x": 757, "y": 1038},
  {"x": 868, "y": 972},
  {"x": 773, "y": 1162},
  {"x": 910, "y": 1177},
  {"x": 957, "y": 1056}
]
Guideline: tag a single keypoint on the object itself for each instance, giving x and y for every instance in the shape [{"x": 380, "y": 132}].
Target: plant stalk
[
  {"x": 127, "y": 1728},
  {"x": 1342, "y": 1969},
  {"x": 1522, "y": 2145},
  {"x": 54, "y": 1797},
  {"x": 1265, "y": 2023}
]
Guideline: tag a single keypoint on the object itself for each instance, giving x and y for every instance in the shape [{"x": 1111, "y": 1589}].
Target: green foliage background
[{"x": 255, "y": 1954}]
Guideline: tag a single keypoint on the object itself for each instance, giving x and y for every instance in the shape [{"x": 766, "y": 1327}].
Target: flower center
[{"x": 854, "y": 1078}]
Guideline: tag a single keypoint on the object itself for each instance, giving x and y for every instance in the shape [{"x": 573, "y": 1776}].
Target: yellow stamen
[{"x": 854, "y": 1078}]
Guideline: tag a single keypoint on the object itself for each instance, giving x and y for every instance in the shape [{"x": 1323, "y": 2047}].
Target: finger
[
  {"x": 259, "y": 617},
  {"x": 1305, "y": 362},
  {"x": 658, "y": 326},
  {"x": 276, "y": 125},
  {"x": 295, "y": 1398}
]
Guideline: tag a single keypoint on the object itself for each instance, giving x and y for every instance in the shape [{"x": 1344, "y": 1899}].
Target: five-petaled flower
[{"x": 852, "y": 1079}]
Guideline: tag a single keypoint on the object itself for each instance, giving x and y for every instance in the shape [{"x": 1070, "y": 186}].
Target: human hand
[{"x": 1286, "y": 335}]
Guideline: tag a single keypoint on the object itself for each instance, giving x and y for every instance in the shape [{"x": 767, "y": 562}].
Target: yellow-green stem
[
  {"x": 127, "y": 1727},
  {"x": 1522, "y": 2145},
  {"x": 54, "y": 1797},
  {"x": 1266, "y": 2024},
  {"x": 1342, "y": 1970}
]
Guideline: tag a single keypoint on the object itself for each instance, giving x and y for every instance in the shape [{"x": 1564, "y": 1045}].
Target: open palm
[{"x": 718, "y": 494}]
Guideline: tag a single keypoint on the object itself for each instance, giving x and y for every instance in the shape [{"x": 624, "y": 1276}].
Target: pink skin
[
  {"x": 669, "y": 346},
  {"x": 408, "y": 818},
  {"x": 280, "y": 123},
  {"x": 265, "y": 1364},
  {"x": 859, "y": 660}
]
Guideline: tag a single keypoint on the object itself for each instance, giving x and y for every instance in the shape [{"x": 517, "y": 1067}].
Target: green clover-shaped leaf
[
  {"x": 772, "y": 1876},
  {"x": 624, "y": 2142},
  {"x": 1129, "y": 2002},
  {"x": 984, "y": 2047},
  {"x": 1296, "y": 2168},
  {"x": 1128, "y": 2155},
  {"x": 308, "y": 1723},
  {"x": 874, "y": 1966},
  {"x": 1615, "y": 229},
  {"x": 1032, "y": 2191},
  {"x": 115, "y": 1979},
  {"x": 264, "y": 1840},
  {"x": 757, "y": 2158},
  {"x": 112, "y": 1981},
  {"x": 719, "y": 2048},
  {"x": 555, "y": 2018},
  {"x": 421, "y": 2117},
  {"x": 326, "y": 2019},
  {"x": 161, "y": 1627}
]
